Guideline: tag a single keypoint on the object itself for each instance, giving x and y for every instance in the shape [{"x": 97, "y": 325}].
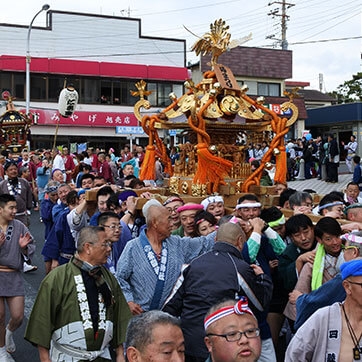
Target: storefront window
[
  {"x": 19, "y": 86},
  {"x": 38, "y": 87},
  {"x": 5, "y": 82}
]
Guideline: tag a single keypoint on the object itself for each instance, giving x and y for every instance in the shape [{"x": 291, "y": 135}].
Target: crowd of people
[{"x": 175, "y": 280}]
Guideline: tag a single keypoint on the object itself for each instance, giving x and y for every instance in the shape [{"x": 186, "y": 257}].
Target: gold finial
[
  {"x": 292, "y": 94},
  {"x": 142, "y": 92},
  {"x": 215, "y": 42}
]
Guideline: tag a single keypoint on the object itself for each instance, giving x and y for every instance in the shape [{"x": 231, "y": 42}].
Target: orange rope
[
  {"x": 147, "y": 171},
  {"x": 279, "y": 128},
  {"x": 210, "y": 168}
]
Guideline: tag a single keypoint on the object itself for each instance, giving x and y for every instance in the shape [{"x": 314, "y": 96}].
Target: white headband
[
  {"x": 209, "y": 200},
  {"x": 247, "y": 204}
]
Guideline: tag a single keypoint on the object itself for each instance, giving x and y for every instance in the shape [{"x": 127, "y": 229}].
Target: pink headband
[
  {"x": 190, "y": 207},
  {"x": 240, "y": 308}
]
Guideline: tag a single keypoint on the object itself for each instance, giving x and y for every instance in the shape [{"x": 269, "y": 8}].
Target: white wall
[{"x": 97, "y": 38}]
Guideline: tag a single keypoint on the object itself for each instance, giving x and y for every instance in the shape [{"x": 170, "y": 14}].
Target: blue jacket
[{"x": 327, "y": 294}]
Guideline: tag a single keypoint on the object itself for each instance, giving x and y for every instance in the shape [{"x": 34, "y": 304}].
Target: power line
[{"x": 325, "y": 40}]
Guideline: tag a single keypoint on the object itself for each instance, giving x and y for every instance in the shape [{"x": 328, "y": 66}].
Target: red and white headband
[{"x": 240, "y": 308}]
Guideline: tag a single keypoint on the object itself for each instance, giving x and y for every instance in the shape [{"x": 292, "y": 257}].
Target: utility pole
[
  {"x": 284, "y": 18},
  {"x": 125, "y": 12}
]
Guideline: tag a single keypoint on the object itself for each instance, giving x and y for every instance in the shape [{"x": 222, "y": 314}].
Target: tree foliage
[{"x": 350, "y": 91}]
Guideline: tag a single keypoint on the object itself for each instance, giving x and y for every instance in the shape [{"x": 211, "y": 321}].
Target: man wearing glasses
[
  {"x": 232, "y": 333},
  {"x": 333, "y": 333},
  {"x": 80, "y": 311},
  {"x": 113, "y": 229},
  {"x": 332, "y": 291}
]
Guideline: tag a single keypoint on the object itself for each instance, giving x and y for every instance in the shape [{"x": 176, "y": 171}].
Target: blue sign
[
  {"x": 129, "y": 130},
  {"x": 172, "y": 132}
]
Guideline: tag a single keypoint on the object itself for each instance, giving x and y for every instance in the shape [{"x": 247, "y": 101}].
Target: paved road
[{"x": 25, "y": 352}]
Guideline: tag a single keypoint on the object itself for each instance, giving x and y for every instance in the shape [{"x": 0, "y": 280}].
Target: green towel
[{"x": 318, "y": 267}]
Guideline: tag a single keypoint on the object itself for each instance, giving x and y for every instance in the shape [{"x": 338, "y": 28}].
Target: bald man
[{"x": 221, "y": 273}]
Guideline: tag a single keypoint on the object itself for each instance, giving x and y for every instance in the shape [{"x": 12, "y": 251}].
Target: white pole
[{"x": 28, "y": 59}]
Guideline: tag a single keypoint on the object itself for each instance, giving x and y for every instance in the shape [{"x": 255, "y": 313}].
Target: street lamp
[{"x": 45, "y": 7}]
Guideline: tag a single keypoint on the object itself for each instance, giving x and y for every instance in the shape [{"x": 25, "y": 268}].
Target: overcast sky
[{"x": 315, "y": 28}]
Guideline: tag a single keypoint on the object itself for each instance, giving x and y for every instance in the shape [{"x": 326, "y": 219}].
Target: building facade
[{"x": 102, "y": 57}]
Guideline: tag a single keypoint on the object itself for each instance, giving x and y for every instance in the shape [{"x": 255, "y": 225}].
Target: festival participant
[
  {"x": 333, "y": 159},
  {"x": 301, "y": 202},
  {"x": 333, "y": 332},
  {"x": 351, "y": 195},
  {"x": 332, "y": 291},
  {"x": 113, "y": 229},
  {"x": 78, "y": 216},
  {"x": 332, "y": 205},
  {"x": 16, "y": 245},
  {"x": 351, "y": 149},
  {"x": 187, "y": 214},
  {"x": 205, "y": 223},
  {"x": 57, "y": 175},
  {"x": 214, "y": 205},
  {"x": 218, "y": 274},
  {"x": 58, "y": 162},
  {"x": 83, "y": 168},
  {"x": 63, "y": 191},
  {"x": 20, "y": 189},
  {"x": 275, "y": 219},
  {"x": 263, "y": 247},
  {"x": 126, "y": 155},
  {"x": 104, "y": 170},
  {"x": 42, "y": 179},
  {"x": 99, "y": 181},
  {"x": 87, "y": 181},
  {"x": 46, "y": 208},
  {"x": 132, "y": 217},
  {"x": 279, "y": 187},
  {"x": 172, "y": 203},
  {"x": 114, "y": 170},
  {"x": 103, "y": 195},
  {"x": 101, "y": 317},
  {"x": 47, "y": 205},
  {"x": 154, "y": 336},
  {"x": 357, "y": 172},
  {"x": 69, "y": 165},
  {"x": 26, "y": 162},
  {"x": 160, "y": 256},
  {"x": 232, "y": 333},
  {"x": 354, "y": 213},
  {"x": 140, "y": 154},
  {"x": 60, "y": 245},
  {"x": 301, "y": 231},
  {"x": 326, "y": 263},
  {"x": 284, "y": 198},
  {"x": 248, "y": 209}
]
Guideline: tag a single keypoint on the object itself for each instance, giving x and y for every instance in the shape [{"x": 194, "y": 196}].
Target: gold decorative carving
[
  {"x": 185, "y": 187},
  {"x": 173, "y": 186},
  {"x": 142, "y": 103}
]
